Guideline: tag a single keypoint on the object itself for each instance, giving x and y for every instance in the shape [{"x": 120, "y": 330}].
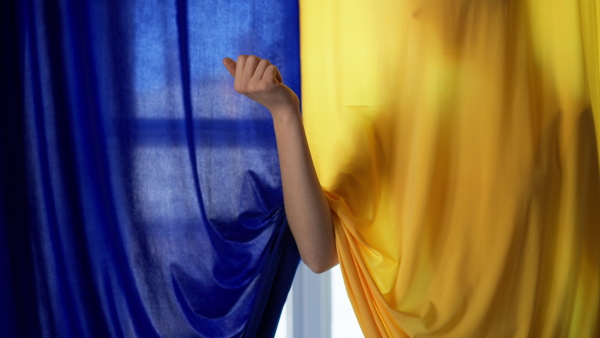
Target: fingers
[
  {"x": 250, "y": 67},
  {"x": 260, "y": 69},
  {"x": 272, "y": 74},
  {"x": 239, "y": 69},
  {"x": 249, "y": 71},
  {"x": 230, "y": 65}
]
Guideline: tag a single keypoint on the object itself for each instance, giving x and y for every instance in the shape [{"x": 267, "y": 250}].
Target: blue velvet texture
[{"x": 140, "y": 196}]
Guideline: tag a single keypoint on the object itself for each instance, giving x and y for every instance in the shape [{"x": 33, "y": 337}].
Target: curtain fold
[
  {"x": 140, "y": 195},
  {"x": 456, "y": 143}
]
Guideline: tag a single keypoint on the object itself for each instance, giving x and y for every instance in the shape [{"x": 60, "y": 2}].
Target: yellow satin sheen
[{"x": 455, "y": 140}]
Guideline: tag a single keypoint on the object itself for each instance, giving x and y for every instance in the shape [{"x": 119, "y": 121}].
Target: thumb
[{"x": 230, "y": 65}]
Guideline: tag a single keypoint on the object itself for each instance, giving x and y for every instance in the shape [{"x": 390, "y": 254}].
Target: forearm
[
  {"x": 306, "y": 207},
  {"x": 305, "y": 204}
]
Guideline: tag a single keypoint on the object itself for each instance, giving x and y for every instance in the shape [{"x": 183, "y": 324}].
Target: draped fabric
[
  {"x": 140, "y": 196},
  {"x": 457, "y": 144}
]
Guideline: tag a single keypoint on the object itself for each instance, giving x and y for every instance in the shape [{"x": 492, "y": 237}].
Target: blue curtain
[{"x": 140, "y": 196}]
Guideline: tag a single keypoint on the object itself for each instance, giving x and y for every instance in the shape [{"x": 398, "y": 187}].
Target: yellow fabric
[{"x": 455, "y": 141}]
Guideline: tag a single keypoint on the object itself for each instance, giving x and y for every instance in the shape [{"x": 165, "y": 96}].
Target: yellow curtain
[{"x": 456, "y": 142}]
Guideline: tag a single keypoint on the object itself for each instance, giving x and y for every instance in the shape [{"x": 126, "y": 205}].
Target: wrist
[{"x": 285, "y": 113}]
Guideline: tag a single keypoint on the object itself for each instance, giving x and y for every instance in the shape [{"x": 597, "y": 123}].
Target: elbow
[
  {"x": 319, "y": 266},
  {"x": 319, "y": 269}
]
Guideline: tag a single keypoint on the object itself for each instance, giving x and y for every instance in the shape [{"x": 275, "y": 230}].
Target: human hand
[{"x": 261, "y": 81}]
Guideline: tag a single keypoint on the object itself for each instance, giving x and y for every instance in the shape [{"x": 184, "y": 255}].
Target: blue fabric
[{"x": 140, "y": 196}]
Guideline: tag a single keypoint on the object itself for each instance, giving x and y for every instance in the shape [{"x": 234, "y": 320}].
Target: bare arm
[{"x": 306, "y": 207}]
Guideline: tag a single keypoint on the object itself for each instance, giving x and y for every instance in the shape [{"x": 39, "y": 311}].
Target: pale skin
[{"x": 306, "y": 207}]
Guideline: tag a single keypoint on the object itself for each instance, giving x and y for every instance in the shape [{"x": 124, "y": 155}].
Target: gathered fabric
[{"x": 457, "y": 144}]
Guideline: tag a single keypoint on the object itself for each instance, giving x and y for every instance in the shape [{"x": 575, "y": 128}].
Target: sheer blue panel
[{"x": 141, "y": 195}]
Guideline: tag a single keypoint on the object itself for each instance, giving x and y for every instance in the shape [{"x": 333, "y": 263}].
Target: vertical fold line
[{"x": 184, "y": 62}]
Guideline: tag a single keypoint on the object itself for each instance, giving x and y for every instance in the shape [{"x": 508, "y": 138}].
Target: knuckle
[
  {"x": 239, "y": 88},
  {"x": 253, "y": 58},
  {"x": 264, "y": 61},
  {"x": 242, "y": 58}
]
